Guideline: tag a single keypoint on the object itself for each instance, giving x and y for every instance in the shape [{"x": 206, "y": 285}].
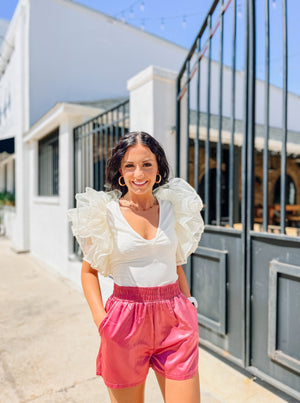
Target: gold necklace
[{"x": 131, "y": 204}]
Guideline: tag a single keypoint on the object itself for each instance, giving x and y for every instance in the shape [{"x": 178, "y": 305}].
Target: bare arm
[
  {"x": 92, "y": 292},
  {"x": 183, "y": 284}
]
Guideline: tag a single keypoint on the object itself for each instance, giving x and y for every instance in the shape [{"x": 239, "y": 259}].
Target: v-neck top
[
  {"x": 127, "y": 223},
  {"x": 136, "y": 261},
  {"x": 111, "y": 246}
]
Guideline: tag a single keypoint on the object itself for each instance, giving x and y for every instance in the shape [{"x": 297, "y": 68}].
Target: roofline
[{"x": 53, "y": 117}]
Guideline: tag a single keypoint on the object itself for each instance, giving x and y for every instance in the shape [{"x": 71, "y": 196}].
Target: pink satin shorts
[{"x": 147, "y": 327}]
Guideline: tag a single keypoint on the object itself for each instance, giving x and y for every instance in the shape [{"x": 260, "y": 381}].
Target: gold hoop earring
[
  {"x": 121, "y": 184},
  {"x": 159, "y": 178}
]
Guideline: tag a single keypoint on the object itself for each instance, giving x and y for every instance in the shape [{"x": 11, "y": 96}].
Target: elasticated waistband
[{"x": 147, "y": 294}]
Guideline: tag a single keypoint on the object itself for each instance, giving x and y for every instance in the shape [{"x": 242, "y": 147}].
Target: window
[
  {"x": 290, "y": 191},
  {"x": 48, "y": 165}
]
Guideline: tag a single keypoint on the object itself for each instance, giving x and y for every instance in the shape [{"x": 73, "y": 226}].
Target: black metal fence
[
  {"x": 93, "y": 141},
  {"x": 238, "y": 144},
  {"x": 218, "y": 88}
]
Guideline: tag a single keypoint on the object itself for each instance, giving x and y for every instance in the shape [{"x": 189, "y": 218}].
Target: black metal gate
[
  {"x": 93, "y": 142},
  {"x": 245, "y": 164}
]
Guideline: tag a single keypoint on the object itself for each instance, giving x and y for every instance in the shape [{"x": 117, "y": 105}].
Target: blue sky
[
  {"x": 179, "y": 21},
  {"x": 163, "y": 18}
]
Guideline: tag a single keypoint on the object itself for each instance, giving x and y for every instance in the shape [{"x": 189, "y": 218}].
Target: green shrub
[{"x": 7, "y": 198}]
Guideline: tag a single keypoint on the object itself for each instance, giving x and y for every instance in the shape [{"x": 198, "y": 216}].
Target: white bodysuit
[{"x": 113, "y": 248}]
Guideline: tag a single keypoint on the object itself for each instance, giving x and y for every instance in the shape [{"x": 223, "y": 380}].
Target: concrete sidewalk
[{"x": 48, "y": 344}]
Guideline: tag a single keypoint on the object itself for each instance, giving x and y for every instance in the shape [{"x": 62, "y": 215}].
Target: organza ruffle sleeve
[
  {"x": 189, "y": 224},
  {"x": 91, "y": 229}
]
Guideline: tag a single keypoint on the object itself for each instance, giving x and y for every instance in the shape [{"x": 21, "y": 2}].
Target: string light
[
  {"x": 274, "y": 4},
  {"x": 128, "y": 8},
  {"x": 131, "y": 7},
  {"x": 143, "y": 24},
  {"x": 162, "y": 24}
]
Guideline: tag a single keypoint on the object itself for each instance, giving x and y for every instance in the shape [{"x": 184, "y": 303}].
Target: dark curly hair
[{"x": 112, "y": 173}]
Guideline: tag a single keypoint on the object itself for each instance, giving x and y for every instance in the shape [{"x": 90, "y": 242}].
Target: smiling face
[{"x": 139, "y": 169}]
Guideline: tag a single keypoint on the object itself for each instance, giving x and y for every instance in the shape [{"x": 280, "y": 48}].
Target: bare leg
[
  {"x": 127, "y": 395},
  {"x": 187, "y": 391}
]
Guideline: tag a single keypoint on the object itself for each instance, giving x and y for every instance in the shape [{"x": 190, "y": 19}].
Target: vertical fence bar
[
  {"x": 196, "y": 147},
  {"x": 102, "y": 156},
  {"x": 111, "y": 131},
  {"x": 84, "y": 158},
  {"x": 74, "y": 163},
  {"x": 91, "y": 154},
  {"x": 244, "y": 187},
  {"x": 83, "y": 178},
  {"x": 78, "y": 157},
  {"x": 117, "y": 125},
  {"x": 251, "y": 116},
  {"x": 250, "y": 169},
  {"x": 123, "y": 121},
  {"x": 219, "y": 144},
  {"x": 207, "y": 140},
  {"x": 188, "y": 72},
  {"x": 267, "y": 106},
  {"x": 80, "y": 168},
  {"x": 231, "y": 149},
  {"x": 87, "y": 154},
  {"x": 178, "y": 132},
  {"x": 284, "y": 120},
  {"x": 106, "y": 136},
  {"x": 95, "y": 156}
]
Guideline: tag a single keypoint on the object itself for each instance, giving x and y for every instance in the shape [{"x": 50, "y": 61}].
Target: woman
[{"x": 140, "y": 233}]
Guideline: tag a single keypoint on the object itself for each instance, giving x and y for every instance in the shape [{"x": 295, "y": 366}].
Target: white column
[
  {"x": 66, "y": 177},
  {"x": 153, "y": 107},
  {"x": 21, "y": 237}
]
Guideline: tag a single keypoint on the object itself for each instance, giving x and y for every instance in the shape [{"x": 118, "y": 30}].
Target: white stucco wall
[
  {"x": 14, "y": 95},
  {"x": 7, "y": 170},
  {"x": 275, "y": 112},
  {"x": 49, "y": 231},
  {"x": 80, "y": 54},
  {"x": 13, "y": 61},
  {"x": 152, "y": 107}
]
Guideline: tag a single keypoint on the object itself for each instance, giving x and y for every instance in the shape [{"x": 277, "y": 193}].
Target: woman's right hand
[
  {"x": 92, "y": 292},
  {"x": 100, "y": 319}
]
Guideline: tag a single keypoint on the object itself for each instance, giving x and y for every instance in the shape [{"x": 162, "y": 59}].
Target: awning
[{"x": 7, "y": 145}]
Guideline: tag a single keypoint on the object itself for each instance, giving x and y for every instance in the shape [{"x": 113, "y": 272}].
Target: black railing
[
  {"x": 218, "y": 83},
  {"x": 93, "y": 141}
]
